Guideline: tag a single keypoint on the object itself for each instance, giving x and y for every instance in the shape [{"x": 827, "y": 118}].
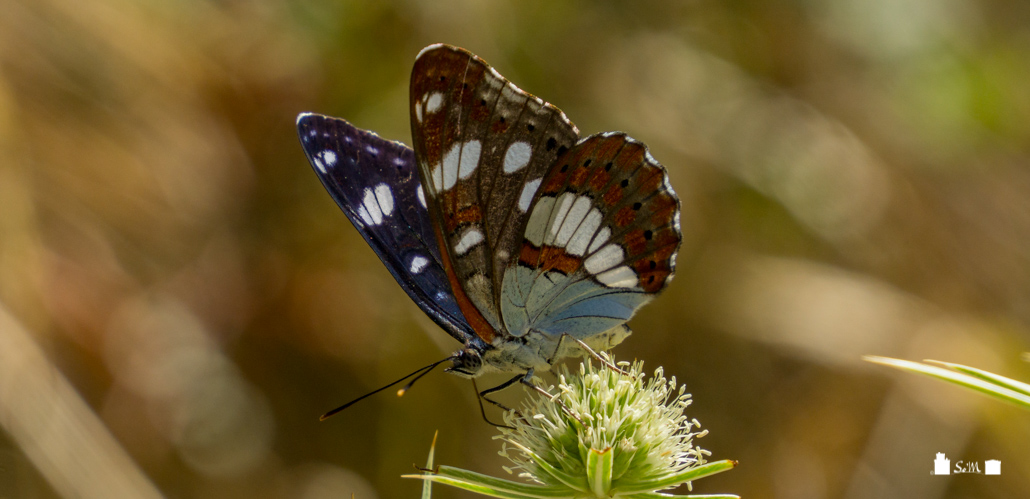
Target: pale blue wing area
[{"x": 555, "y": 303}]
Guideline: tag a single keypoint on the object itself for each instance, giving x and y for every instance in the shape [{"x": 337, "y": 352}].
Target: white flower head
[
  {"x": 600, "y": 415},
  {"x": 606, "y": 433}
]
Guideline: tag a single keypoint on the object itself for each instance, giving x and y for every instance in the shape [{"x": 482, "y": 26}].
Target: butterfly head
[{"x": 467, "y": 362}]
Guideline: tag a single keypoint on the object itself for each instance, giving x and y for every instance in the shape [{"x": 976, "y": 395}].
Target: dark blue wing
[{"x": 375, "y": 182}]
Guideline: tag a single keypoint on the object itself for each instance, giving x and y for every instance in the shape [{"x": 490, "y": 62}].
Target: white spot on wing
[
  {"x": 517, "y": 156},
  {"x": 418, "y": 111},
  {"x": 318, "y": 163},
  {"x": 385, "y": 198},
  {"x": 619, "y": 277},
  {"x": 480, "y": 291},
  {"x": 537, "y": 224},
  {"x": 471, "y": 238},
  {"x": 576, "y": 214},
  {"x": 528, "y": 190},
  {"x": 372, "y": 150},
  {"x": 418, "y": 264},
  {"x": 329, "y": 157},
  {"x": 566, "y": 201},
  {"x": 421, "y": 196},
  {"x": 450, "y": 167},
  {"x": 578, "y": 242},
  {"x": 469, "y": 158},
  {"x": 437, "y": 175},
  {"x": 365, "y": 217},
  {"x": 602, "y": 237},
  {"x": 434, "y": 102},
  {"x": 372, "y": 215},
  {"x": 608, "y": 257}
]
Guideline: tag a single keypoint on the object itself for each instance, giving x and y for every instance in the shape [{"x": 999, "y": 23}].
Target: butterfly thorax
[{"x": 537, "y": 350}]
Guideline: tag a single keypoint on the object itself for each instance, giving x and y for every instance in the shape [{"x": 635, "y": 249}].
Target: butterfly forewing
[
  {"x": 600, "y": 241},
  {"x": 484, "y": 147},
  {"x": 376, "y": 184}
]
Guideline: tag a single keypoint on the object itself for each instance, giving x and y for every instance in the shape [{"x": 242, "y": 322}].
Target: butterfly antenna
[
  {"x": 427, "y": 369},
  {"x": 422, "y": 371}
]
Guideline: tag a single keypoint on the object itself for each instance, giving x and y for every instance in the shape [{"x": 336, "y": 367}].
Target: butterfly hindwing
[
  {"x": 484, "y": 147},
  {"x": 376, "y": 184},
  {"x": 601, "y": 241}
]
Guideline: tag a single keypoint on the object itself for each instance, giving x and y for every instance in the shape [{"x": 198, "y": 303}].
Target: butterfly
[{"x": 523, "y": 241}]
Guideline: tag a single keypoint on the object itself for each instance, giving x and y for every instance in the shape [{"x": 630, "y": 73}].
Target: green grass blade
[
  {"x": 488, "y": 485},
  {"x": 478, "y": 488},
  {"x": 427, "y": 486},
  {"x": 969, "y": 381},
  {"x": 989, "y": 377}
]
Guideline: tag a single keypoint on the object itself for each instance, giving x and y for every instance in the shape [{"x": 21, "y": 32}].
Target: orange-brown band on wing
[
  {"x": 471, "y": 214},
  {"x": 472, "y": 314},
  {"x": 549, "y": 258},
  {"x": 475, "y": 318}
]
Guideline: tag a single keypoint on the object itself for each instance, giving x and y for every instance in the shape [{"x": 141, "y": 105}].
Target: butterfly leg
[
  {"x": 525, "y": 379},
  {"x": 589, "y": 350},
  {"x": 482, "y": 395}
]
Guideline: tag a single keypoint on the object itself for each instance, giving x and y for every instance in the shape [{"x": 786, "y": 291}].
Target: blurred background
[{"x": 180, "y": 298}]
